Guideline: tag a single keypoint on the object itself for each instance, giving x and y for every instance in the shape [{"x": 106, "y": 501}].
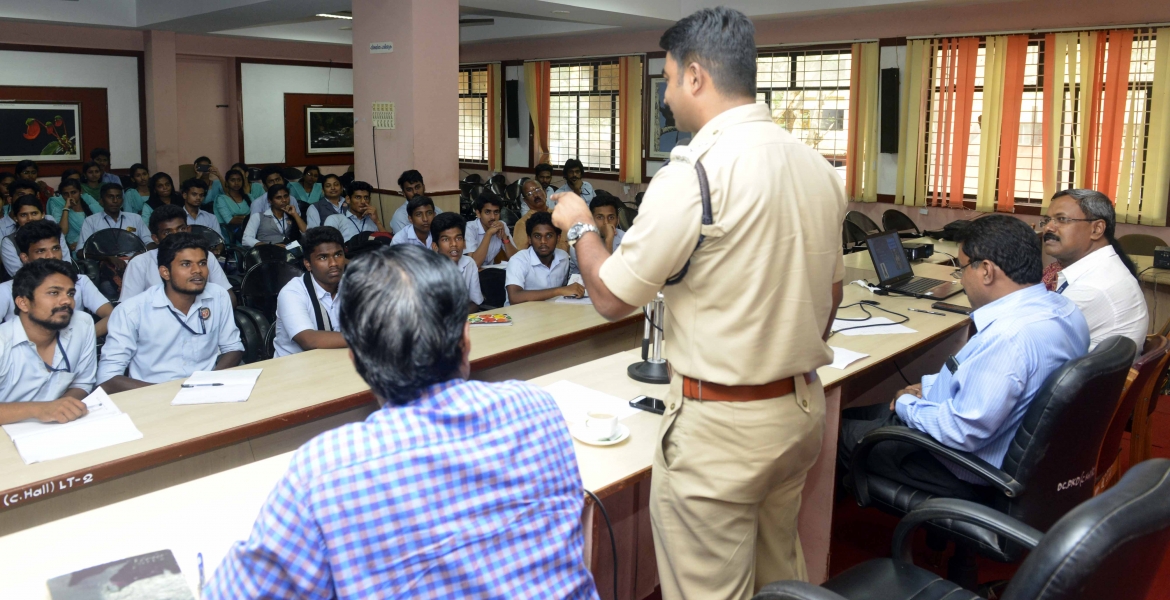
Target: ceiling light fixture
[{"x": 333, "y": 16}]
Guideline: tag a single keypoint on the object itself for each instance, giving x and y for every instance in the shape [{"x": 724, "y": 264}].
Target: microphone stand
[{"x": 652, "y": 369}]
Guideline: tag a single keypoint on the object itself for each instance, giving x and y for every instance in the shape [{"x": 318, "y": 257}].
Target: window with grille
[
  {"x": 808, "y": 93},
  {"x": 583, "y": 114},
  {"x": 473, "y": 132}
]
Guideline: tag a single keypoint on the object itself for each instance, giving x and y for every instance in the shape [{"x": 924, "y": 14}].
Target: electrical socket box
[{"x": 383, "y": 115}]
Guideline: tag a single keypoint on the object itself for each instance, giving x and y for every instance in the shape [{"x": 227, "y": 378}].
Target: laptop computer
[{"x": 895, "y": 274}]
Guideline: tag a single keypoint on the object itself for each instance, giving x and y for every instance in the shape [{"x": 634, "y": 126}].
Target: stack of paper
[
  {"x": 104, "y": 425},
  {"x": 213, "y": 387},
  {"x": 870, "y": 326},
  {"x": 843, "y": 358},
  {"x": 575, "y": 401}
]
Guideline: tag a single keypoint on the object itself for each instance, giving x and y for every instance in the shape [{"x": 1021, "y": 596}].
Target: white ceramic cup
[{"x": 601, "y": 426}]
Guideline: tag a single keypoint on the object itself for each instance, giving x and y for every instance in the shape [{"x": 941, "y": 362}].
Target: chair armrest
[
  {"x": 795, "y": 590},
  {"x": 973, "y": 464},
  {"x": 965, "y": 511}
]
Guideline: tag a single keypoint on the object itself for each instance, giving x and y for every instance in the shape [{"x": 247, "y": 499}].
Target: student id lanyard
[
  {"x": 118, "y": 224},
  {"x": 68, "y": 365},
  {"x": 283, "y": 222},
  {"x": 202, "y": 325},
  {"x": 359, "y": 225}
]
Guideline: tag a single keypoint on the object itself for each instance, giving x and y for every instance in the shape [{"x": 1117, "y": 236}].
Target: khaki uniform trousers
[{"x": 725, "y": 491}]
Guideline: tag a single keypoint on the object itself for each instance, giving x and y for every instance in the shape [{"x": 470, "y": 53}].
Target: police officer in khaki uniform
[{"x": 746, "y": 325}]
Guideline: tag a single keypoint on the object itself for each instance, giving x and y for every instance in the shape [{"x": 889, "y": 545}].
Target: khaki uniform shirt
[
  {"x": 520, "y": 235},
  {"x": 756, "y": 300}
]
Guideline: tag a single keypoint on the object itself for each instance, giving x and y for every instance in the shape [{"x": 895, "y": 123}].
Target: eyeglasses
[
  {"x": 958, "y": 273},
  {"x": 1062, "y": 221}
]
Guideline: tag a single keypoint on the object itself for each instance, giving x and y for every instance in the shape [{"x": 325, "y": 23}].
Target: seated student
[
  {"x": 307, "y": 189},
  {"x": 174, "y": 329},
  {"x": 422, "y": 211},
  {"x": 91, "y": 179},
  {"x": 358, "y": 214},
  {"x": 70, "y": 208},
  {"x": 134, "y": 198},
  {"x": 233, "y": 207},
  {"x": 411, "y": 183},
  {"x": 48, "y": 358},
  {"x": 193, "y": 192},
  {"x": 278, "y": 224},
  {"x": 307, "y": 320},
  {"x": 533, "y": 195},
  {"x": 543, "y": 173},
  {"x": 1025, "y": 333},
  {"x": 334, "y": 202},
  {"x": 211, "y": 178},
  {"x": 27, "y": 171},
  {"x": 26, "y": 209},
  {"x": 162, "y": 191},
  {"x": 447, "y": 231},
  {"x": 447, "y": 472},
  {"x": 574, "y": 172},
  {"x": 101, "y": 156},
  {"x": 42, "y": 240},
  {"x": 270, "y": 176},
  {"x": 6, "y": 179},
  {"x": 1095, "y": 272},
  {"x": 16, "y": 189},
  {"x": 487, "y": 235},
  {"x": 605, "y": 215},
  {"x": 540, "y": 272},
  {"x": 112, "y": 217},
  {"x": 142, "y": 271}
]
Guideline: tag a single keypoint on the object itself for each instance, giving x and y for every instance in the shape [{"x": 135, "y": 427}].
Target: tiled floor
[{"x": 861, "y": 534}]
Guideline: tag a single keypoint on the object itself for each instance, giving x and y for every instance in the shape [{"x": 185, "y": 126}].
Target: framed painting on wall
[
  {"x": 40, "y": 131},
  {"x": 328, "y": 130},
  {"x": 664, "y": 135}
]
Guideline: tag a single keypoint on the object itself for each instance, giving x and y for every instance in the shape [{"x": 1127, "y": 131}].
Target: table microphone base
[{"x": 649, "y": 372}]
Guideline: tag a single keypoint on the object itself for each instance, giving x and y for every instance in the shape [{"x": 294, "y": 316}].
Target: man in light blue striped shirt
[{"x": 976, "y": 402}]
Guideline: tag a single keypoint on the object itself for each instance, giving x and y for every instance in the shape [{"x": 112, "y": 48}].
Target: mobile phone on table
[
  {"x": 955, "y": 308},
  {"x": 648, "y": 404}
]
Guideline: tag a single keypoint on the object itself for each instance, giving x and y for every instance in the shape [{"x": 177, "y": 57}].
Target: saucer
[{"x": 582, "y": 435}]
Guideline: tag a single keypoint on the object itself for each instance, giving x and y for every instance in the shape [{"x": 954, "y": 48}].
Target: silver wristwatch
[{"x": 579, "y": 229}]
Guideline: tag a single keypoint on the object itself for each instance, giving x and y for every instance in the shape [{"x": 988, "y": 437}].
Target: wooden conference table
[
  {"x": 206, "y": 515},
  {"x": 295, "y": 398}
]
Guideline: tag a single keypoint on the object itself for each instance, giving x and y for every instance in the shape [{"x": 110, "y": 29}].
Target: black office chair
[
  {"x": 491, "y": 283},
  {"x": 265, "y": 254},
  {"x": 852, "y": 237},
  {"x": 262, "y": 284},
  {"x": 510, "y": 216},
  {"x": 1048, "y": 469},
  {"x": 497, "y": 184},
  {"x": 112, "y": 242},
  {"x": 865, "y": 223},
  {"x": 270, "y": 341},
  {"x": 899, "y": 221},
  {"x": 249, "y": 336},
  {"x": 365, "y": 242},
  {"x": 1109, "y": 547},
  {"x": 261, "y": 324}
]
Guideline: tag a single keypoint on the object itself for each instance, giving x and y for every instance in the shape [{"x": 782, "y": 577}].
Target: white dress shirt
[
  {"x": 294, "y": 314},
  {"x": 586, "y": 191},
  {"x": 474, "y": 237},
  {"x": 470, "y": 273},
  {"x": 128, "y": 221},
  {"x": 350, "y": 225},
  {"x": 526, "y": 271},
  {"x": 313, "y": 219},
  {"x": 24, "y": 377},
  {"x": 400, "y": 219},
  {"x": 86, "y": 295},
  {"x": 1108, "y": 295},
  {"x": 407, "y": 236},
  {"x": 142, "y": 274},
  {"x": 205, "y": 219},
  {"x": 618, "y": 234},
  {"x": 10, "y": 256}
]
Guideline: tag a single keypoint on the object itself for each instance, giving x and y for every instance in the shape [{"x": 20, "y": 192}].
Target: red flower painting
[{"x": 62, "y": 142}]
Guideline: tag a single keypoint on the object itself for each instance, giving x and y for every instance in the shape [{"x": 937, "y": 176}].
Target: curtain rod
[
  {"x": 1037, "y": 30},
  {"x": 573, "y": 58},
  {"x": 806, "y": 44}
]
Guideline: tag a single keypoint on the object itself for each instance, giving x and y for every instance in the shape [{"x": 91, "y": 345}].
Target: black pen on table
[
  {"x": 194, "y": 385},
  {"x": 926, "y": 312}
]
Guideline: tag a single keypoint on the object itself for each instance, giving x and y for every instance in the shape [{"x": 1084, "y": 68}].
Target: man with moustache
[
  {"x": 173, "y": 329},
  {"x": 1095, "y": 272},
  {"x": 532, "y": 193},
  {"x": 543, "y": 173},
  {"x": 307, "y": 310},
  {"x": 47, "y": 356}
]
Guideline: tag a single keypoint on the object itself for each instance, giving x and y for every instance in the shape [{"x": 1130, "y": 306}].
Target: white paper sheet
[
  {"x": 577, "y": 400},
  {"x": 843, "y": 358},
  {"x": 104, "y": 425},
  {"x": 567, "y": 300},
  {"x": 890, "y": 327},
  {"x": 237, "y": 386}
]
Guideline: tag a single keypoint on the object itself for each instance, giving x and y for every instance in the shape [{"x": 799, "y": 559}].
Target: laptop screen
[{"x": 889, "y": 260}]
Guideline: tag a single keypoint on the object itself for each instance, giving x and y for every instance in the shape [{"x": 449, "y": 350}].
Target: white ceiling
[{"x": 295, "y": 20}]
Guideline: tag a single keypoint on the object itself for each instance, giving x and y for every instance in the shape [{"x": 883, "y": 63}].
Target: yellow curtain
[
  {"x": 991, "y": 124},
  {"x": 495, "y": 140},
  {"x": 536, "y": 91},
  {"x": 861, "y": 172},
  {"x": 1068, "y": 59},
  {"x": 630, "y": 118},
  {"x": 911, "y": 181},
  {"x": 1157, "y": 188}
]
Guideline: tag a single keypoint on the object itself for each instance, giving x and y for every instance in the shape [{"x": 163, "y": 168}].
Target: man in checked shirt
[{"x": 455, "y": 488}]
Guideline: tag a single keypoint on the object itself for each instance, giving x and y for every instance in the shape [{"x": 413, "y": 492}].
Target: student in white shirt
[
  {"x": 270, "y": 176},
  {"x": 605, "y": 215},
  {"x": 24, "y": 210},
  {"x": 113, "y": 217},
  {"x": 332, "y": 202},
  {"x": 142, "y": 270},
  {"x": 277, "y": 225},
  {"x": 174, "y": 329},
  {"x": 358, "y": 215},
  {"x": 42, "y": 240},
  {"x": 540, "y": 271},
  {"x": 101, "y": 156},
  {"x": 447, "y": 231},
  {"x": 543, "y": 174},
  {"x": 422, "y": 211},
  {"x": 307, "y": 322},
  {"x": 487, "y": 235},
  {"x": 411, "y": 183},
  {"x": 574, "y": 172},
  {"x": 194, "y": 191},
  {"x": 47, "y": 356},
  {"x": 16, "y": 190},
  {"x": 1096, "y": 274}
]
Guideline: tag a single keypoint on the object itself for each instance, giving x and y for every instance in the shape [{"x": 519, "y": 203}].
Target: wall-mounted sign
[{"x": 381, "y": 47}]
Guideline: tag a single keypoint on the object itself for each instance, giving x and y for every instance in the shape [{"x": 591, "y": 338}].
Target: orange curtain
[
  {"x": 495, "y": 151},
  {"x": 1013, "y": 98},
  {"x": 537, "y": 90},
  {"x": 1115, "y": 70},
  {"x": 954, "y": 63},
  {"x": 630, "y": 119}
]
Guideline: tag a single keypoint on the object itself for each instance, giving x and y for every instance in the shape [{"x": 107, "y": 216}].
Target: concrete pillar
[
  {"x": 162, "y": 104},
  {"x": 420, "y": 77}
]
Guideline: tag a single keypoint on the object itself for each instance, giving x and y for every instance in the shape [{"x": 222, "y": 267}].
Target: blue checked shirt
[
  {"x": 471, "y": 491},
  {"x": 1023, "y": 338}
]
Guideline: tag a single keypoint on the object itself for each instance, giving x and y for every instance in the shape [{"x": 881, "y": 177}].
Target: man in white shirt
[
  {"x": 540, "y": 271},
  {"x": 113, "y": 217},
  {"x": 142, "y": 271},
  {"x": 543, "y": 174},
  {"x": 574, "y": 173},
  {"x": 422, "y": 211},
  {"x": 304, "y": 321},
  {"x": 358, "y": 215},
  {"x": 604, "y": 208},
  {"x": 411, "y": 183},
  {"x": 447, "y": 230},
  {"x": 487, "y": 235},
  {"x": 194, "y": 190},
  {"x": 269, "y": 177},
  {"x": 1096, "y": 274},
  {"x": 47, "y": 356}
]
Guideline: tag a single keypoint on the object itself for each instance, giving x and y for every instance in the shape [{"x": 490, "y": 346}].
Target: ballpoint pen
[
  {"x": 193, "y": 385},
  {"x": 201, "y": 576},
  {"x": 927, "y": 312}
]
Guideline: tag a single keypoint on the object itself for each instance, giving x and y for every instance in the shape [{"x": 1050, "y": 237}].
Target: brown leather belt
[{"x": 705, "y": 390}]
